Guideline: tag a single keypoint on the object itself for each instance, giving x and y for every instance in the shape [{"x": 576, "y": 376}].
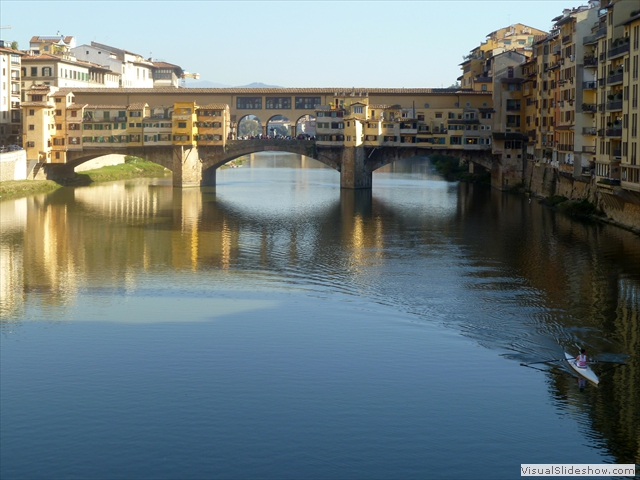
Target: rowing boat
[{"x": 585, "y": 372}]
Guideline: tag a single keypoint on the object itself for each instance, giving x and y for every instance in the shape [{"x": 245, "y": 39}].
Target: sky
[{"x": 367, "y": 44}]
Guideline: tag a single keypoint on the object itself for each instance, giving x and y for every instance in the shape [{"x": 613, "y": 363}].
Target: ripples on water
[{"x": 416, "y": 252}]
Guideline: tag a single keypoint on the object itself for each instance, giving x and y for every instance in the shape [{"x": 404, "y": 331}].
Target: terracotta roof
[
  {"x": 60, "y": 94},
  {"x": 77, "y": 106},
  {"x": 213, "y": 106},
  {"x": 137, "y": 106},
  {"x": 11, "y": 51},
  {"x": 51, "y": 38},
  {"x": 301, "y": 91},
  {"x": 166, "y": 65},
  {"x": 56, "y": 58},
  {"x": 105, "y": 107},
  {"x": 35, "y": 104}
]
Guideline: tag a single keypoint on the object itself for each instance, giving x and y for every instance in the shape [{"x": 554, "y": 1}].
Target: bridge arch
[
  {"x": 249, "y": 125},
  {"x": 238, "y": 148},
  {"x": 306, "y": 125},
  {"x": 278, "y": 125}
]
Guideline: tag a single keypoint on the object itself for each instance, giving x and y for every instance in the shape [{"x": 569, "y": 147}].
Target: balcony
[
  {"x": 615, "y": 78},
  {"x": 589, "y": 108},
  {"x": 590, "y": 61},
  {"x": 614, "y": 106},
  {"x": 602, "y": 57},
  {"x": 590, "y": 85},
  {"x": 613, "y": 132},
  {"x": 609, "y": 181},
  {"x": 566, "y": 39},
  {"x": 594, "y": 37},
  {"x": 617, "y": 153},
  {"x": 588, "y": 130},
  {"x": 589, "y": 149},
  {"x": 602, "y": 82},
  {"x": 617, "y": 51},
  {"x": 565, "y": 147}
]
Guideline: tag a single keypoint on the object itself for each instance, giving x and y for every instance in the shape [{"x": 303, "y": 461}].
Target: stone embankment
[{"x": 618, "y": 206}]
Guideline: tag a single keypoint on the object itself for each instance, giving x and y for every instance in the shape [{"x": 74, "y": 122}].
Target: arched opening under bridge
[
  {"x": 306, "y": 127},
  {"x": 279, "y": 126},
  {"x": 249, "y": 126}
]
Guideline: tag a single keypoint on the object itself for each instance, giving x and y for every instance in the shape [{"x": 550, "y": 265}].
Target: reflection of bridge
[{"x": 197, "y": 165}]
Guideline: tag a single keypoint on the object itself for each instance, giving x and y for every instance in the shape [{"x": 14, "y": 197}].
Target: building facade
[{"x": 10, "y": 86}]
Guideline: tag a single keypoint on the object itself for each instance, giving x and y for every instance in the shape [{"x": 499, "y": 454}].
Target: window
[
  {"x": 181, "y": 125},
  {"x": 438, "y": 114},
  {"x": 32, "y": 112},
  {"x": 358, "y": 109},
  {"x": 278, "y": 103},
  {"x": 513, "y": 105},
  {"x": 58, "y": 113},
  {"x": 307, "y": 102},
  {"x": 34, "y": 71},
  {"x": 513, "y": 120},
  {"x": 32, "y": 127},
  {"x": 135, "y": 114},
  {"x": 74, "y": 113},
  {"x": 254, "y": 103}
]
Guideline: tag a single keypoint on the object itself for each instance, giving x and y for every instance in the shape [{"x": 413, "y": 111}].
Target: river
[{"x": 277, "y": 326}]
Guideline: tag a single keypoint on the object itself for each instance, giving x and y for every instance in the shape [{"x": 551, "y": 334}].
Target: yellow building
[
  {"x": 184, "y": 120},
  {"x": 629, "y": 166},
  {"x": 615, "y": 89},
  {"x": 212, "y": 124},
  {"x": 39, "y": 123}
]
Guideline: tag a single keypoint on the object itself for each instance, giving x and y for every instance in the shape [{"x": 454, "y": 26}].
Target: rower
[{"x": 582, "y": 360}]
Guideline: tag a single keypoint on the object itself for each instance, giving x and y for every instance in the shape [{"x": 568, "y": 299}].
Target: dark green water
[{"x": 278, "y": 327}]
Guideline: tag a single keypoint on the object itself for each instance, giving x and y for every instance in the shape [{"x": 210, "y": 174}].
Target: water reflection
[{"x": 506, "y": 272}]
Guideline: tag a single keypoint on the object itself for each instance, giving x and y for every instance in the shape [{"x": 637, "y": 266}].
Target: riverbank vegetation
[
  {"x": 575, "y": 208},
  {"x": 451, "y": 169},
  {"x": 133, "y": 167},
  {"x": 22, "y": 188}
]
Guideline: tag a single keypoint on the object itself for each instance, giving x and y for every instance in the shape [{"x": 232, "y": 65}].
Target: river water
[{"x": 279, "y": 327}]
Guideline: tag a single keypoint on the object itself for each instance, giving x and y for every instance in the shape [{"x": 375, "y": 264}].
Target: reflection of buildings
[{"x": 14, "y": 218}]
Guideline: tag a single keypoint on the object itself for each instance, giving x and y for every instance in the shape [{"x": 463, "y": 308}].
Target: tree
[
  {"x": 14, "y": 45},
  {"x": 249, "y": 126}
]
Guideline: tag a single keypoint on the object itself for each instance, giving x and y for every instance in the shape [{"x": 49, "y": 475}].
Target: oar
[
  {"x": 608, "y": 361},
  {"x": 543, "y": 361}
]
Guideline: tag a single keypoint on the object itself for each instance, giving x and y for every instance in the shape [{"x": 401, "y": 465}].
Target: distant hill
[
  {"x": 259, "y": 85},
  {"x": 208, "y": 84}
]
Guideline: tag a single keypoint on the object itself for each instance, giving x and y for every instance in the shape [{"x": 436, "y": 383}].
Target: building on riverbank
[{"x": 10, "y": 116}]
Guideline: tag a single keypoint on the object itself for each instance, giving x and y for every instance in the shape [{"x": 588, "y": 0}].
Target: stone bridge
[{"x": 196, "y": 166}]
